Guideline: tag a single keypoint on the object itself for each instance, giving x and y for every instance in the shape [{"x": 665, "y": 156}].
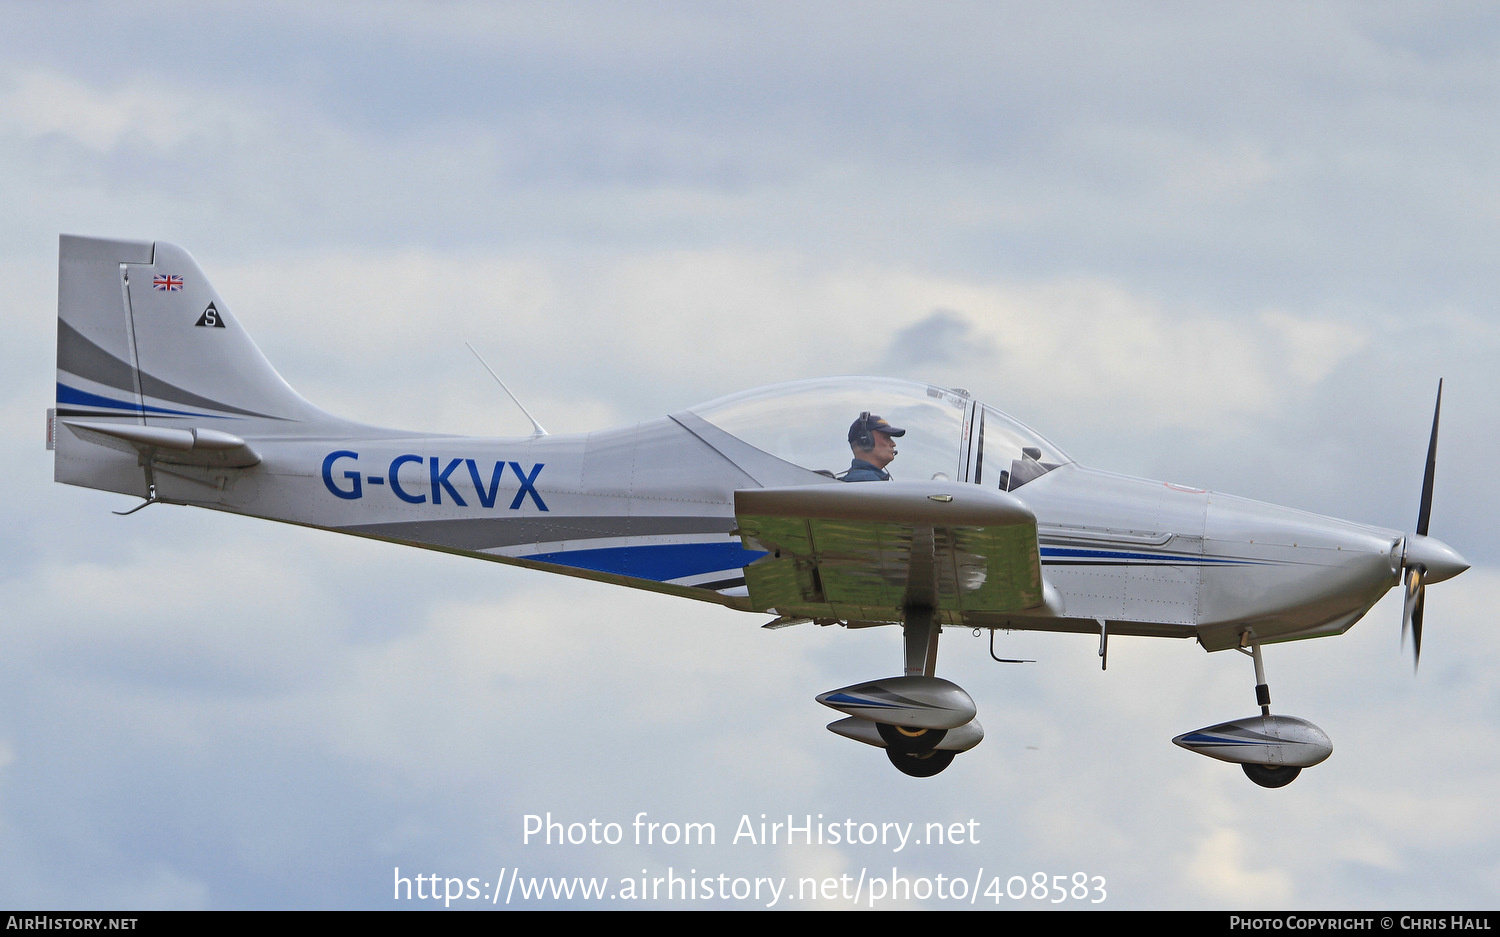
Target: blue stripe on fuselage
[
  {"x": 1170, "y": 559},
  {"x": 661, "y": 562}
]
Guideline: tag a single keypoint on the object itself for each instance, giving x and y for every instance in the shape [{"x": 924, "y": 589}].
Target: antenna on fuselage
[{"x": 536, "y": 428}]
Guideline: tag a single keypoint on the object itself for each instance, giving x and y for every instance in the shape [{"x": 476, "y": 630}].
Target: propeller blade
[
  {"x": 1411, "y": 612},
  {"x": 1425, "y": 513},
  {"x": 1407, "y": 604},
  {"x": 1416, "y": 628},
  {"x": 1416, "y": 590}
]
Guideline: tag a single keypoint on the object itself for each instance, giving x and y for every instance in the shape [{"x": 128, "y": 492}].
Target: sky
[{"x": 1230, "y": 246}]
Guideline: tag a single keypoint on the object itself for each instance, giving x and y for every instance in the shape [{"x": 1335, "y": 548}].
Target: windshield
[{"x": 943, "y": 433}]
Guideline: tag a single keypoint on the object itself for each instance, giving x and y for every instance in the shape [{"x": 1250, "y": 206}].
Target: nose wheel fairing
[
  {"x": 1275, "y": 741},
  {"x": 1272, "y": 750}
]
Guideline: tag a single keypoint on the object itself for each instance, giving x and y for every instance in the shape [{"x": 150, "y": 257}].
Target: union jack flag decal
[{"x": 169, "y": 283}]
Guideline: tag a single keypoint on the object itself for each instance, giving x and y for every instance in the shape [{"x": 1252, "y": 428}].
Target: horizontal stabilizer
[{"x": 171, "y": 445}]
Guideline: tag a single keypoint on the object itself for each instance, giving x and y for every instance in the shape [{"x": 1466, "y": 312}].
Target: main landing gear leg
[
  {"x": 905, "y": 745},
  {"x": 921, "y": 637},
  {"x": 1262, "y": 691},
  {"x": 1264, "y": 775}
]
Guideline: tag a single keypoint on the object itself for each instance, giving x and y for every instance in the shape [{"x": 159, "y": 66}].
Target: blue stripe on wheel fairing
[
  {"x": 661, "y": 562},
  {"x": 1198, "y": 738}
]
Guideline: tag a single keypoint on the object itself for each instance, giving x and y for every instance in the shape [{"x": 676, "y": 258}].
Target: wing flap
[{"x": 867, "y": 551}]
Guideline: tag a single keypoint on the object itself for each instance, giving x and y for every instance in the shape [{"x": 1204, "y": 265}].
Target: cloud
[
  {"x": 370, "y": 323},
  {"x": 43, "y": 103},
  {"x": 1218, "y": 867},
  {"x": 944, "y": 337}
]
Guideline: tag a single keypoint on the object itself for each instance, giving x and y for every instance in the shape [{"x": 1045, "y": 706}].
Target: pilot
[{"x": 872, "y": 440}]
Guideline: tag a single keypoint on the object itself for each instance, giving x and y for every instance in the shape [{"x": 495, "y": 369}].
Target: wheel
[
  {"x": 1271, "y": 775},
  {"x": 909, "y": 741},
  {"x": 921, "y": 766}
]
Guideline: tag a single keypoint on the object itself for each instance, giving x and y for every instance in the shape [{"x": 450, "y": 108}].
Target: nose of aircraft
[{"x": 1440, "y": 560}]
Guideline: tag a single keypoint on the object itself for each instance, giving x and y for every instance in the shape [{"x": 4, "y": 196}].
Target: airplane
[{"x": 741, "y": 502}]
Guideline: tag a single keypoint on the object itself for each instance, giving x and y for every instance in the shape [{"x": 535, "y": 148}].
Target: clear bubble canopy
[{"x": 948, "y": 434}]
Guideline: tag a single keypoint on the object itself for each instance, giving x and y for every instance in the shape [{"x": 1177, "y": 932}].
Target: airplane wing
[{"x": 865, "y": 552}]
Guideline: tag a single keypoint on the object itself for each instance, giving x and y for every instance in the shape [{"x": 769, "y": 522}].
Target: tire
[
  {"x": 1271, "y": 775},
  {"x": 921, "y": 766}
]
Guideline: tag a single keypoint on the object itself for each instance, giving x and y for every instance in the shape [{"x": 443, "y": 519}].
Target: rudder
[{"x": 143, "y": 335}]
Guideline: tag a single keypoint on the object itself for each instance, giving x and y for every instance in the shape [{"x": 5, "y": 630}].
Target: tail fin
[
  {"x": 141, "y": 333},
  {"x": 152, "y": 366}
]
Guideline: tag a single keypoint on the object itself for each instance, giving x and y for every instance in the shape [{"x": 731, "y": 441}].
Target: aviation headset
[{"x": 864, "y": 437}]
